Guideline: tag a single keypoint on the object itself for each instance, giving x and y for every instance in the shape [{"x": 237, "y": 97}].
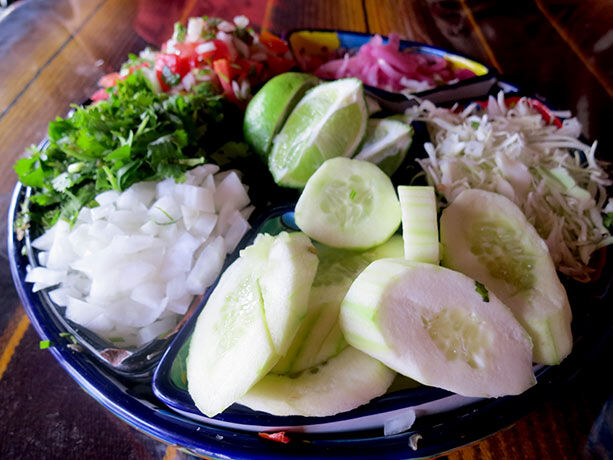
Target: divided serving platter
[{"x": 162, "y": 408}]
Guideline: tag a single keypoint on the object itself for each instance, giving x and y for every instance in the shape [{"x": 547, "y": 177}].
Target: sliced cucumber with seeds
[
  {"x": 419, "y": 223},
  {"x": 345, "y": 382},
  {"x": 348, "y": 204},
  {"x": 486, "y": 236},
  {"x": 320, "y": 337},
  {"x": 433, "y": 325},
  {"x": 243, "y": 329}
]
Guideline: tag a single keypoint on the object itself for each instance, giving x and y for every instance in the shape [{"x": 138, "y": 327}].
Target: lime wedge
[
  {"x": 267, "y": 111},
  {"x": 329, "y": 121},
  {"x": 386, "y": 144}
]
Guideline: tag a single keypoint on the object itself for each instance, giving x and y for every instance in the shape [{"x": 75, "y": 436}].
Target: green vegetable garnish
[
  {"x": 44, "y": 344},
  {"x": 607, "y": 220},
  {"x": 482, "y": 290},
  {"x": 69, "y": 336},
  {"x": 136, "y": 135},
  {"x": 179, "y": 32},
  {"x": 170, "y": 78}
]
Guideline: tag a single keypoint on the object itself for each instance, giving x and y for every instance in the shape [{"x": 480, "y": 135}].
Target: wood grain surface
[{"x": 52, "y": 54}]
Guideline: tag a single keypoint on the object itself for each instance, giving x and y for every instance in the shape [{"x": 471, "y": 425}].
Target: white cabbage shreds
[
  {"x": 129, "y": 268},
  {"x": 543, "y": 167}
]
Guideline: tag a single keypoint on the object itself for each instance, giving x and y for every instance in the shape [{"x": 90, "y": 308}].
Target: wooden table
[{"x": 52, "y": 54}]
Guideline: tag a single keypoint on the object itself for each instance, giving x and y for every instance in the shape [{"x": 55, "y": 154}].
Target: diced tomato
[
  {"x": 175, "y": 64},
  {"x": 249, "y": 69},
  {"x": 273, "y": 43},
  {"x": 537, "y": 105},
  {"x": 541, "y": 108},
  {"x": 223, "y": 70},
  {"x": 108, "y": 80},
  {"x": 221, "y": 50},
  {"x": 189, "y": 52},
  {"x": 100, "y": 95},
  {"x": 279, "y": 64},
  {"x": 279, "y": 436},
  {"x": 140, "y": 65}
]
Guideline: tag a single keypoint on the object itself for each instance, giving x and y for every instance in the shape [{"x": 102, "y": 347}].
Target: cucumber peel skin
[
  {"x": 348, "y": 204},
  {"x": 419, "y": 223},
  {"x": 232, "y": 346},
  {"x": 430, "y": 324},
  {"x": 487, "y": 237},
  {"x": 346, "y": 381}
]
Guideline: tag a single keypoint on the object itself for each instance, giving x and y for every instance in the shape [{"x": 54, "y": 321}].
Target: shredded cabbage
[{"x": 544, "y": 168}]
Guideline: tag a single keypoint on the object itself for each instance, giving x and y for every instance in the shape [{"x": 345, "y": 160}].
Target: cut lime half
[
  {"x": 329, "y": 121},
  {"x": 269, "y": 108},
  {"x": 386, "y": 144}
]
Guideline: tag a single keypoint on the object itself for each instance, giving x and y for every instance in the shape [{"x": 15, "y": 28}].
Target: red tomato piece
[
  {"x": 279, "y": 64},
  {"x": 100, "y": 95},
  {"x": 108, "y": 80},
  {"x": 273, "y": 43},
  {"x": 187, "y": 53},
  {"x": 190, "y": 52},
  {"x": 279, "y": 436},
  {"x": 174, "y": 63},
  {"x": 223, "y": 70},
  {"x": 249, "y": 67}
]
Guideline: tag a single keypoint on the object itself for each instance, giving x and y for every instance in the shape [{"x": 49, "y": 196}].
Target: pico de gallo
[{"x": 230, "y": 55}]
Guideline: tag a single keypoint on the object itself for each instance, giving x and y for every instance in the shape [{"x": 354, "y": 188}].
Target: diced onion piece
[
  {"x": 207, "y": 267},
  {"x": 130, "y": 266}
]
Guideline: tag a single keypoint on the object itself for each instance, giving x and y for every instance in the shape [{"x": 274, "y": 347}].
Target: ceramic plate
[{"x": 444, "y": 421}]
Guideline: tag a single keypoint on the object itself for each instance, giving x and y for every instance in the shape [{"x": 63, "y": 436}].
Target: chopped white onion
[
  {"x": 130, "y": 267},
  {"x": 399, "y": 423}
]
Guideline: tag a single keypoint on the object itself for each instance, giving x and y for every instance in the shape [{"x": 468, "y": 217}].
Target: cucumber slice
[
  {"x": 486, "y": 236},
  {"x": 348, "y": 204},
  {"x": 320, "y": 337},
  {"x": 419, "y": 223},
  {"x": 232, "y": 347},
  {"x": 325, "y": 311},
  {"x": 285, "y": 282},
  {"x": 345, "y": 382},
  {"x": 332, "y": 344},
  {"x": 431, "y": 324}
]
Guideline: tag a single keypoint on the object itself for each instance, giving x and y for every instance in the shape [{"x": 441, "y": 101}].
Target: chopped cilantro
[
  {"x": 135, "y": 135},
  {"x": 179, "y": 32},
  {"x": 482, "y": 290}
]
